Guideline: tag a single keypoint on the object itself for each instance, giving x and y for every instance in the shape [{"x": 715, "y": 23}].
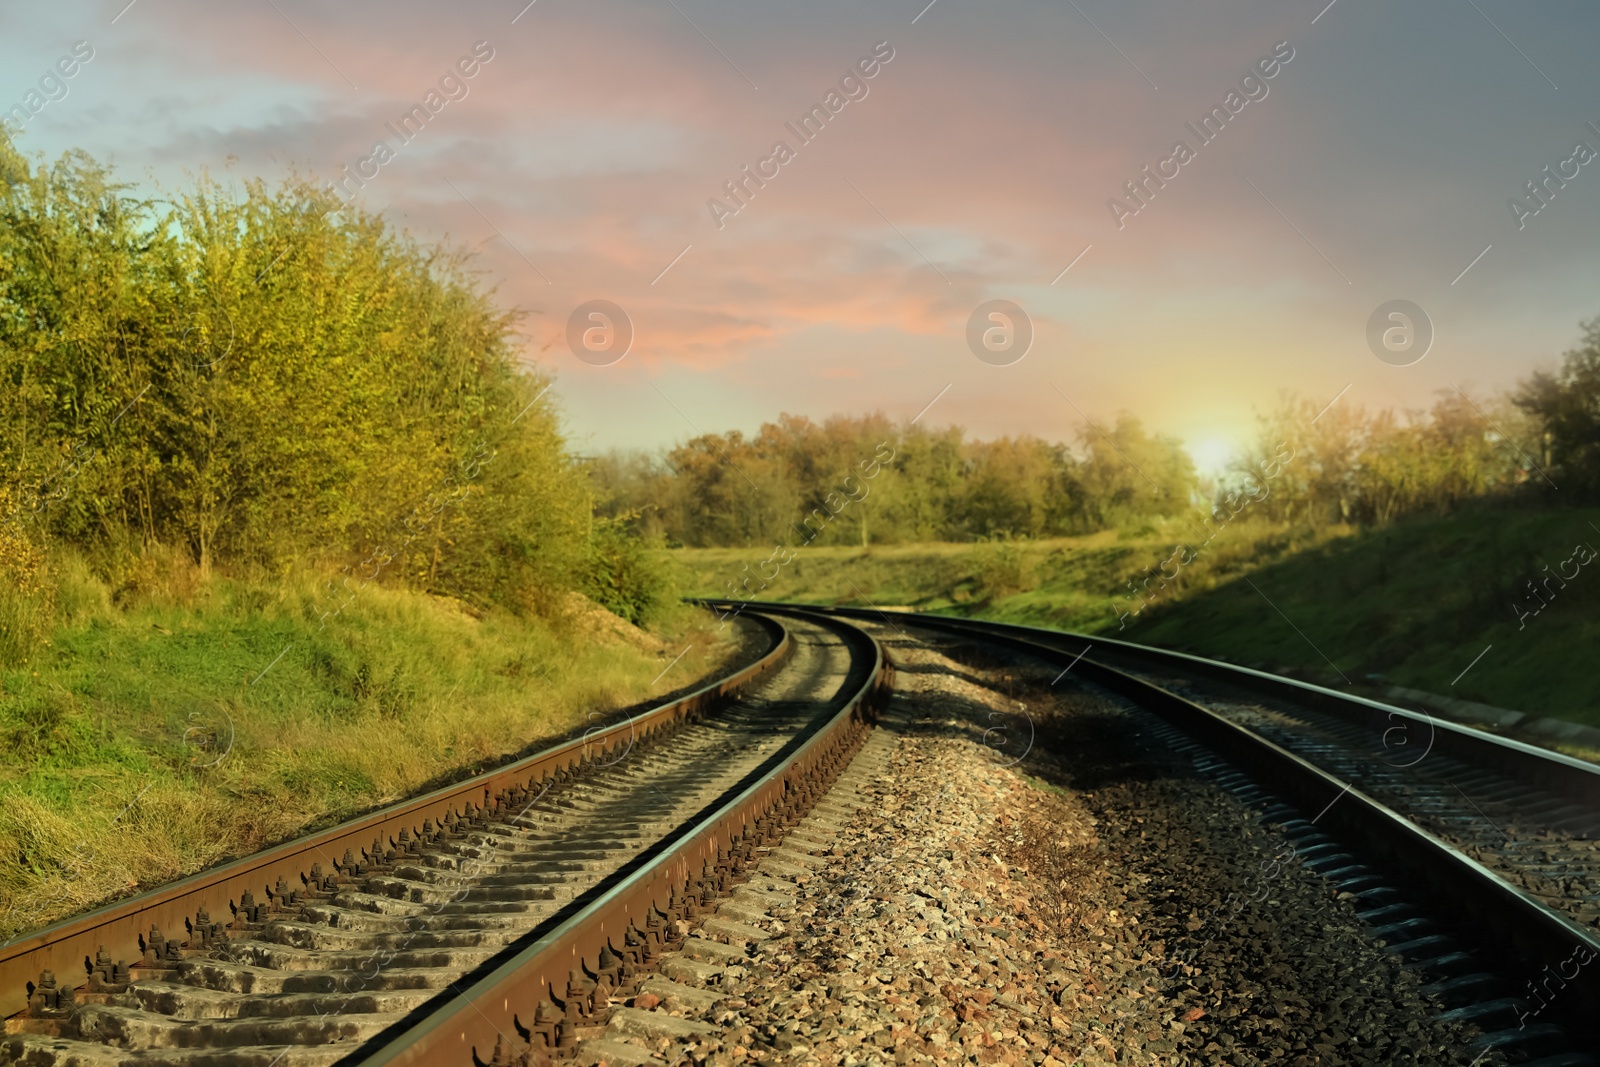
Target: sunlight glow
[{"x": 1212, "y": 454}]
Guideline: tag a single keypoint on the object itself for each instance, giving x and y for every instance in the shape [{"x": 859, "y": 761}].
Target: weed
[{"x": 1059, "y": 868}]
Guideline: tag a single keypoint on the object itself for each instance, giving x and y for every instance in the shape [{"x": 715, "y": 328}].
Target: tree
[
  {"x": 1129, "y": 475},
  {"x": 261, "y": 375},
  {"x": 1566, "y": 406}
]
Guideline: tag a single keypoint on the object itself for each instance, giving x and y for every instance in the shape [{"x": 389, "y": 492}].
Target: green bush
[
  {"x": 999, "y": 569},
  {"x": 628, "y": 575},
  {"x": 246, "y": 378}
]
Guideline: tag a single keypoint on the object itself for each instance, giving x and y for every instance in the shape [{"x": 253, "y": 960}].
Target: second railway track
[
  {"x": 1530, "y": 815},
  {"x": 1406, "y": 800}
]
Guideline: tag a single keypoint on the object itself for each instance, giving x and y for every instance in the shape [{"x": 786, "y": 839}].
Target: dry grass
[{"x": 1061, "y": 867}]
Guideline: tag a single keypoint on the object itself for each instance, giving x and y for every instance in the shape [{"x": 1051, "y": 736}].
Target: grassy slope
[
  {"x": 150, "y": 741},
  {"x": 1414, "y": 603}
]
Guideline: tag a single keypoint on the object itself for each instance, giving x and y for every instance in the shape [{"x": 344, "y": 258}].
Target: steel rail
[
  {"x": 69, "y": 947},
  {"x": 1511, "y": 924},
  {"x": 1537, "y": 767},
  {"x": 487, "y": 1019}
]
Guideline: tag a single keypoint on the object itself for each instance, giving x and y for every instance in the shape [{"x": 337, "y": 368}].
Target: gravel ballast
[{"x": 1095, "y": 901}]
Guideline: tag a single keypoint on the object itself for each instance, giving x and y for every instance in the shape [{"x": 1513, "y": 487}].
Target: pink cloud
[{"x": 592, "y": 141}]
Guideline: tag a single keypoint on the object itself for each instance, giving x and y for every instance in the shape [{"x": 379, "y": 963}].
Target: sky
[{"x": 1387, "y": 158}]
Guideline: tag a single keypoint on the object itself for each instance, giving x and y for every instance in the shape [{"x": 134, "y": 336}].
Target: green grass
[
  {"x": 1417, "y": 603},
  {"x": 1414, "y": 603},
  {"x": 157, "y": 736},
  {"x": 1071, "y": 583}
]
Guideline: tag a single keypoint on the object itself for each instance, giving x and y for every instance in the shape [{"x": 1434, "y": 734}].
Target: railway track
[
  {"x": 502, "y": 922},
  {"x": 1473, "y": 856},
  {"x": 488, "y": 922}
]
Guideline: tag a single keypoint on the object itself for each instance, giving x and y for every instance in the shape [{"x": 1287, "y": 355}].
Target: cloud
[{"x": 978, "y": 165}]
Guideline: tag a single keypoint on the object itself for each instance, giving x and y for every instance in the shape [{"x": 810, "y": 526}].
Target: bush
[
  {"x": 628, "y": 575},
  {"x": 1061, "y": 869},
  {"x": 80, "y": 595},
  {"x": 999, "y": 569},
  {"x": 236, "y": 379}
]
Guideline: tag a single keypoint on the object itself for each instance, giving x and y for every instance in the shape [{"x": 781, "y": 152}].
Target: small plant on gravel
[{"x": 1059, "y": 868}]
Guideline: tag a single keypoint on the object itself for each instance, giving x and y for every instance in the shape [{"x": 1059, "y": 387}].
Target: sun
[{"x": 1212, "y": 455}]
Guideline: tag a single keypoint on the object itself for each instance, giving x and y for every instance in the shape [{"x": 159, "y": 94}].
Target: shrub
[
  {"x": 628, "y": 575},
  {"x": 999, "y": 569}
]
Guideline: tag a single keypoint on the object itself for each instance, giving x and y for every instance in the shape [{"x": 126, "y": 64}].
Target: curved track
[
  {"x": 1474, "y": 856},
  {"x": 464, "y": 918}
]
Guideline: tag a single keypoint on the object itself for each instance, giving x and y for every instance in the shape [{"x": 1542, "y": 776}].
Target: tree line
[
  {"x": 793, "y": 481},
  {"x": 1329, "y": 464},
  {"x": 261, "y": 376}
]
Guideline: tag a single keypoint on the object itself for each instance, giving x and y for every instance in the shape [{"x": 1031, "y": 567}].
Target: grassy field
[
  {"x": 1071, "y": 583},
  {"x": 191, "y": 721},
  {"x": 1414, "y": 603}
]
